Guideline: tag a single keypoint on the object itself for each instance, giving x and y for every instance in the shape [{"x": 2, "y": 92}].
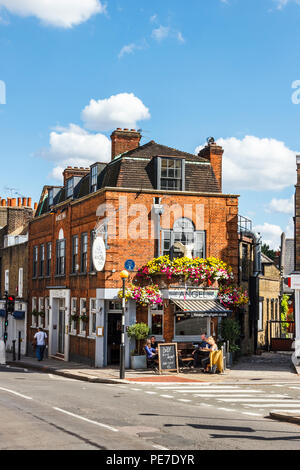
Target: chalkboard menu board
[{"x": 167, "y": 357}]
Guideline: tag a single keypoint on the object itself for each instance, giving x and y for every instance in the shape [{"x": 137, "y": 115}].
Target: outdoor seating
[
  {"x": 185, "y": 358},
  {"x": 216, "y": 361}
]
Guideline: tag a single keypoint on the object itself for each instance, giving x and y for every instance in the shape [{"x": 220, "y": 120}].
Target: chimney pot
[
  {"x": 124, "y": 141},
  {"x": 29, "y": 202}
]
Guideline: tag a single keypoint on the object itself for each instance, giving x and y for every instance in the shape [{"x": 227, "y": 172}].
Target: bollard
[
  {"x": 19, "y": 346},
  {"x": 14, "y": 349}
]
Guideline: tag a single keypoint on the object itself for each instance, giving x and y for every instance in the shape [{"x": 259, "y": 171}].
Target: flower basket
[{"x": 84, "y": 318}]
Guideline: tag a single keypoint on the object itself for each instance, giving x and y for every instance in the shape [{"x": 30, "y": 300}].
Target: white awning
[{"x": 202, "y": 308}]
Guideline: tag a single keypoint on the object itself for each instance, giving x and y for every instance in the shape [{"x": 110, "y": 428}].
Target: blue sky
[{"x": 181, "y": 71}]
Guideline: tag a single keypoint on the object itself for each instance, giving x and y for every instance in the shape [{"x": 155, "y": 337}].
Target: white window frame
[
  {"x": 47, "y": 311},
  {"x": 156, "y": 311},
  {"x": 34, "y": 307},
  {"x": 260, "y": 315},
  {"x": 41, "y": 309},
  {"x": 93, "y": 311},
  {"x": 82, "y": 331},
  {"x": 6, "y": 280},
  {"x": 73, "y": 311},
  {"x": 20, "y": 282},
  {"x": 190, "y": 338}
]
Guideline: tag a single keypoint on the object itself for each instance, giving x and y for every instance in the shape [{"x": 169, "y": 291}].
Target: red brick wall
[{"x": 220, "y": 224}]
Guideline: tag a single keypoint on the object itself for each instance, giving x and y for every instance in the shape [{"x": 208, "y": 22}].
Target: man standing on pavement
[{"x": 40, "y": 338}]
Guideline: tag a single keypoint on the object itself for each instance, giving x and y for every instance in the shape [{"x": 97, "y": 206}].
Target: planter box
[{"x": 138, "y": 362}]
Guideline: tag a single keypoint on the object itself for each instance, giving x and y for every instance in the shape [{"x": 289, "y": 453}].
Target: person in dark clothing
[
  {"x": 153, "y": 342},
  {"x": 201, "y": 352}
]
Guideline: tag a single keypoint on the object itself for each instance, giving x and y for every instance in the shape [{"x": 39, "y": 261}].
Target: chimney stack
[
  {"x": 214, "y": 154},
  {"x": 69, "y": 172},
  {"x": 123, "y": 140}
]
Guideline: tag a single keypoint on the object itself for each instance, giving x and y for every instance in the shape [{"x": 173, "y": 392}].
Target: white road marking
[
  {"x": 278, "y": 405},
  {"x": 295, "y": 388},
  {"x": 87, "y": 420},
  {"x": 288, "y": 411},
  {"x": 216, "y": 387},
  {"x": 182, "y": 399},
  {"x": 257, "y": 400},
  {"x": 152, "y": 393},
  {"x": 218, "y": 390},
  {"x": 217, "y": 395},
  {"x": 136, "y": 389},
  {"x": 226, "y": 409},
  {"x": 166, "y": 396},
  {"x": 160, "y": 447},
  {"x": 15, "y": 393}
]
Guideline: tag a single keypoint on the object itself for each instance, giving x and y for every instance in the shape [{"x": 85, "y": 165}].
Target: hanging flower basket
[
  {"x": 198, "y": 271},
  {"x": 148, "y": 295},
  {"x": 233, "y": 297},
  {"x": 84, "y": 318}
]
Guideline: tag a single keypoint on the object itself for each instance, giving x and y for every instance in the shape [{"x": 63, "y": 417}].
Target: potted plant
[
  {"x": 230, "y": 331},
  {"x": 84, "y": 318},
  {"x": 140, "y": 332}
]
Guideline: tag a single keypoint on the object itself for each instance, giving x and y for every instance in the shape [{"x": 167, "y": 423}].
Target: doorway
[
  {"x": 61, "y": 326},
  {"x": 114, "y": 330}
]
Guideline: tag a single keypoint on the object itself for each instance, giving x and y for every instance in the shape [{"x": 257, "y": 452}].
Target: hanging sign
[{"x": 99, "y": 254}]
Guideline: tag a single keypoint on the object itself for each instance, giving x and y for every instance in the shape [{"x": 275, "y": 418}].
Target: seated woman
[
  {"x": 150, "y": 352},
  {"x": 212, "y": 347}
]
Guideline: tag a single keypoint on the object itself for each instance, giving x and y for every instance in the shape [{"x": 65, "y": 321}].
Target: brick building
[
  {"x": 14, "y": 220},
  {"x": 132, "y": 196}
]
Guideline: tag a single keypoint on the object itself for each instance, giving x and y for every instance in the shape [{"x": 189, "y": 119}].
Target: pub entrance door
[{"x": 114, "y": 329}]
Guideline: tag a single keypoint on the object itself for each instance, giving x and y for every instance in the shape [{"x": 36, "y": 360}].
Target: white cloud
[
  {"x": 161, "y": 33},
  {"x": 282, "y": 206},
  {"x": 122, "y": 110},
  {"x": 131, "y": 48},
  {"x": 270, "y": 234},
  {"x": 74, "y": 146},
  {"x": 257, "y": 164},
  {"x": 283, "y": 3},
  {"x": 59, "y": 13}
]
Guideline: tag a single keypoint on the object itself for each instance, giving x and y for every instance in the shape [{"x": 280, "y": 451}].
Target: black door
[{"x": 114, "y": 338}]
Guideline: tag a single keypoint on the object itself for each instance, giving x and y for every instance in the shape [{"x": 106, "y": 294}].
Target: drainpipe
[{"x": 158, "y": 210}]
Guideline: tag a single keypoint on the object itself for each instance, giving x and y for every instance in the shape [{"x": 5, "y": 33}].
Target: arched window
[{"x": 183, "y": 232}]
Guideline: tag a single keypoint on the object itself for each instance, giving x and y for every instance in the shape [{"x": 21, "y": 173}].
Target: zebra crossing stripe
[{"x": 257, "y": 400}]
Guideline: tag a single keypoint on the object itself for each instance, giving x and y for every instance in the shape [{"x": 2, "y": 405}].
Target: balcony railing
[{"x": 244, "y": 224}]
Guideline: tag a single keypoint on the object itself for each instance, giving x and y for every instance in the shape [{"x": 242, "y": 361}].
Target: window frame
[
  {"x": 48, "y": 258},
  {"x": 35, "y": 259},
  {"x": 70, "y": 185},
  {"x": 92, "y": 313},
  {"x": 60, "y": 265},
  {"x": 75, "y": 253},
  {"x": 84, "y": 253},
  {"x": 159, "y": 176}
]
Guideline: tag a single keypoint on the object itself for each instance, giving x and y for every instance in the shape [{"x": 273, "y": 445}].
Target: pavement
[{"x": 267, "y": 368}]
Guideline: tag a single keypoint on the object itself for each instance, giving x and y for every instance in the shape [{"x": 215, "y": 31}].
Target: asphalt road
[{"x": 41, "y": 411}]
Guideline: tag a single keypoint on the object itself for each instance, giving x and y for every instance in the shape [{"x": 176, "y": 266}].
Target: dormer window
[
  {"x": 50, "y": 197},
  {"x": 170, "y": 174},
  {"x": 70, "y": 187},
  {"x": 94, "y": 178}
]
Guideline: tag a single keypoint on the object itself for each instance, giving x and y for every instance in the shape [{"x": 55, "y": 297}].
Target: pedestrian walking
[{"x": 40, "y": 338}]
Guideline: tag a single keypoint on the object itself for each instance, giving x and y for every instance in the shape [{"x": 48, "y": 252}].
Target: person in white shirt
[{"x": 40, "y": 338}]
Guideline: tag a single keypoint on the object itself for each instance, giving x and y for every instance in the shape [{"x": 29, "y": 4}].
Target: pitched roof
[{"x": 136, "y": 169}]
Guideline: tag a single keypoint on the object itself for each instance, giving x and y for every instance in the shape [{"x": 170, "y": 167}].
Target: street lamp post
[{"x": 124, "y": 275}]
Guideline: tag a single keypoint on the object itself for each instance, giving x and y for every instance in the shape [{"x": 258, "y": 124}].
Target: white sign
[
  {"x": 99, "y": 253},
  {"x": 294, "y": 282},
  {"x": 190, "y": 294}
]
